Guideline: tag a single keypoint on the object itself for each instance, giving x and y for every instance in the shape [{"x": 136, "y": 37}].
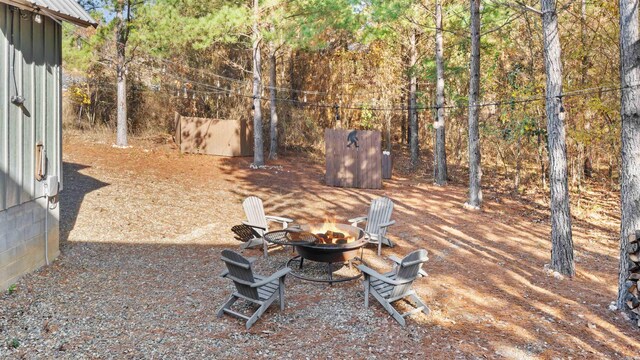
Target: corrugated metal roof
[
  {"x": 68, "y": 10},
  {"x": 65, "y": 7}
]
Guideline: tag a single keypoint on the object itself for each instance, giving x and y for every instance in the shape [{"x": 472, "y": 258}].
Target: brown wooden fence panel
[
  {"x": 359, "y": 167},
  {"x": 387, "y": 166},
  {"x": 214, "y": 136}
]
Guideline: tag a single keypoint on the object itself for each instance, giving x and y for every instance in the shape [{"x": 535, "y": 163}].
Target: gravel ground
[{"x": 139, "y": 272}]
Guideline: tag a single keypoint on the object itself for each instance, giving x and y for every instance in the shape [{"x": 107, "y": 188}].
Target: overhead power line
[
  {"x": 212, "y": 89},
  {"x": 340, "y": 101}
]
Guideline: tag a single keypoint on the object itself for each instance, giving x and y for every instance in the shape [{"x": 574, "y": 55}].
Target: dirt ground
[{"x": 143, "y": 228}]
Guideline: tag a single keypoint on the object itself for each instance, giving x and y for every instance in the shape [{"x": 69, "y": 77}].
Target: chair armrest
[
  {"x": 278, "y": 274},
  {"x": 369, "y": 271},
  {"x": 395, "y": 259},
  {"x": 254, "y": 226},
  {"x": 355, "y": 221},
  {"x": 279, "y": 219},
  {"x": 387, "y": 224}
]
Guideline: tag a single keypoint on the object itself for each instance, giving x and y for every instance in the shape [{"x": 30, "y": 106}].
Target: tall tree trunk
[
  {"x": 584, "y": 67},
  {"x": 475, "y": 172},
  {"x": 580, "y": 165},
  {"x": 583, "y": 42},
  {"x": 121, "y": 73},
  {"x": 630, "y": 111},
  {"x": 292, "y": 76},
  {"x": 538, "y": 114},
  {"x": 440, "y": 167},
  {"x": 403, "y": 122},
  {"x": 258, "y": 150},
  {"x": 413, "y": 87},
  {"x": 409, "y": 110},
  {"x": 561, "y": 241},
  {"x": 516, "y": 180},
  {"x": 540, "y": 150},
  {"x": 586, "y": 166},
  {"x": 273, "y": 141}
]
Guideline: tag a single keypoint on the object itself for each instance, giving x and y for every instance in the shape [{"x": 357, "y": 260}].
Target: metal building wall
[{"x": 36, "y": 53}]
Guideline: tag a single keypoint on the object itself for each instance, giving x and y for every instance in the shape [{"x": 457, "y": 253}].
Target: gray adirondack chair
[
  {"x": 259, "y": 290},
  {"x": 256, "y": 218},
  {"x": 396, "y": 285},
  {"x": 378, "y": 221}
]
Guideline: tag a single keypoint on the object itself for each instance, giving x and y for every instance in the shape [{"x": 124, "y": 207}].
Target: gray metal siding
[
  {"x": 38, "y": 74},
  {"x": 4, "y": 104}
]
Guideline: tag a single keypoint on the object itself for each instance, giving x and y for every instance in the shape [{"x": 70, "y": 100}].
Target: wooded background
[
  {"x": 194, "y": 57},
  {"x": 534, "y": 88}
]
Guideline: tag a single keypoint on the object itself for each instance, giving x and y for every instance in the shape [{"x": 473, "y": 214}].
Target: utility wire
[
  {"x": 365, "y": 106},
  {"x": 340, "y": 103}
]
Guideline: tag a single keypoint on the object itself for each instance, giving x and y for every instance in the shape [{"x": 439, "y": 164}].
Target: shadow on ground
[
  {"x": 141, "y": 275},
  {"x": 76, "y": 186}
]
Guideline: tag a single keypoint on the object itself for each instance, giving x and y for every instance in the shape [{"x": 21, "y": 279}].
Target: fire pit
[
  {"x": 325, "y": 243},
  {"x": 334, "y": 242}
]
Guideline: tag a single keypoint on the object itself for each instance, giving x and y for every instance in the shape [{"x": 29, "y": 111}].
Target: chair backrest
[
  {"x": 408, "y": 270},
  {"x": 254, "y": 211},
  {"x": 379, "y": 213},
  {"x": 240, "y": 273}
]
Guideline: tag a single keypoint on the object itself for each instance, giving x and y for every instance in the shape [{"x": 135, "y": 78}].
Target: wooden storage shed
[
  {"x": 353, "y": 158},
  {"x": 214, "y": 136}
]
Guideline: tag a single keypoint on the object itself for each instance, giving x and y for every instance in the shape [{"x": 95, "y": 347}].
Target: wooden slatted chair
[
  {"x": 256, "y": 219},
  {"x": 244, "y": 233},
  {"x": 259, "y": 290},
  {"x": 378, "y": 221},
  {"x": 396, "y": 285}
]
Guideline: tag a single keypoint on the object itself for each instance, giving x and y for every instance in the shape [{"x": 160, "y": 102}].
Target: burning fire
[{"x": 329, "y": 232}]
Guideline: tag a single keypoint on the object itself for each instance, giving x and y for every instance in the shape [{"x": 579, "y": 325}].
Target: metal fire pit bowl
[
  {"x": 311, "y": 247},
  {"x": 332, "y": 253}
]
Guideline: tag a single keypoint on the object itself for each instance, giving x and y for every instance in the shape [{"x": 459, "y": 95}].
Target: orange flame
[{"x": 331, "y": 233}]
